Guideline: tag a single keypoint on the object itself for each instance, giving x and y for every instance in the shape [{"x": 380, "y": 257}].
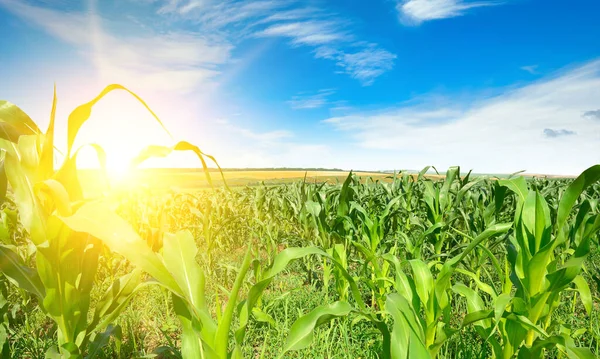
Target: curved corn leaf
[
  {"x": 97, "y": 219},
  {"x": 14, "y": 122},
  {"x": 301, "y": 332},
  {"x": 224, "y": 327},
  {"x": 114, "y": 300},
  {"x": 101, "y": 340},
  {"x": 153, "y": 151},
  {"x": 83, "y": 112},
  {"x": 572, "y": 193},
  {"x": 584, "y": 293},
  {"x": 407, "y": 338},
  {"x": 279, "y": 264},
  {"x": 179, "y": 255},
  {"x": 14, "y": 268}
]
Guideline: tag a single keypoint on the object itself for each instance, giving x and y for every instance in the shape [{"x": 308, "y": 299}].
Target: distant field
[
  {"x": 191, "y": 179},
  {"x": 93, "y": 180}
]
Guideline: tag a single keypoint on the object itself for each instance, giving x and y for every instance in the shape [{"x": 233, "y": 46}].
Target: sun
[
  {"x": 119, "y": 172},
  {"x": 118, "y": 168}
]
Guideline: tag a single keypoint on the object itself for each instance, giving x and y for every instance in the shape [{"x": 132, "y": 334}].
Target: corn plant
[
  {"x": 541, "y": 270},
  {"x": 66, "y": 262},
  {"x": 177, "y": 270},
  {"x": 421, "y": 307}
]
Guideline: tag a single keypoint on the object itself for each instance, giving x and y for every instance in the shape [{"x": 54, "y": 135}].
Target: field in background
[
  {"x": 190, "y": 179},
  {"x": 94, "y": 181}
]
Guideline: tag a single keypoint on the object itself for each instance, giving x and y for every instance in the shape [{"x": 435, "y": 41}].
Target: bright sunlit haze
[{"x": 496, "y": 87}]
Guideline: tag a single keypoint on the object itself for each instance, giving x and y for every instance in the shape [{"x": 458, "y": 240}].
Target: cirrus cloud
[{"x": 415, "y": 12}]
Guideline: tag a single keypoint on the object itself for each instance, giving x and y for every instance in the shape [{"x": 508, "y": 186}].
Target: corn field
[{"x": 409, "y": 267}]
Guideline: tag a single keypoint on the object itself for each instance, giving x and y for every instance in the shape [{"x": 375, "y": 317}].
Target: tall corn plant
[{"x": 66, "y": 262}]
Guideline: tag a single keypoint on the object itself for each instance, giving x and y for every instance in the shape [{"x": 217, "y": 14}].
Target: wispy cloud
[
  {"x": 548, "y": 132},
  {"x": 126, "y": 50},
  {"x": 507, "y": 132},
  {"x": 532, "y": 69},
  {"x": 306, "y": 32},
  {"x": 414, "y": 12},
  {"x": 365, "y": 64},
  {"x": 185, "y": 60},
  {"x": 311, "y": 101},
  {"x": 594, "y": 114},
  {"x": 330, "y": 36}
]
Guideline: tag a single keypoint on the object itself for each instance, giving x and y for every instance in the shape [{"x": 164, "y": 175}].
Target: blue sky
[{"x": 493, "y": 86}]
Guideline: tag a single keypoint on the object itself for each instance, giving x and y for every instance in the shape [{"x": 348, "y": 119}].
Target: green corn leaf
[
  {"x": 14, "y": 122},
  {"x": 402, "y": 284},
  {"x": 97, "y": 219},
  {"x": 101, "y": 340},
  {"x": 263, "y": 317},
  {"x": 14, "y": 268},
  {"x": 517, "y": 185},
  {"x": 154, "y": 151},
  {"x": 179, "y": 255},
  {"x": 407, "y": 338},
  {"x": 67, "y": 173},
  {"x": 477, "y": 316},
  {"x": 280, "y": 262},
  {"x": 224, "y": 327},
  {"x": 474, "y": 301},
  {"x": 22, "y": 182},
  {"x": 82, "y": 113},
  {"x": 423, "y": 280},
  {"x": 3, "y": 182},
  {"x": 584, "y": 293},
  {"x": 115, "y": 299},
  {"x": 572, "y": 193},
  {"x": 301, "y": 332},
  {"x": 192, "y": 345},
  {"x": 59, "y": 195},
  {"x": 346, "y": 196},
  {"x": 443, "y": 280}
]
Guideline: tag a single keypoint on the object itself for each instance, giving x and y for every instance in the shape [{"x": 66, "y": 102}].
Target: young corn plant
[
  {"x": 176, "y": 269},
  {"x": 546, "y": 256},
  {"x": 421, "y": 307}
]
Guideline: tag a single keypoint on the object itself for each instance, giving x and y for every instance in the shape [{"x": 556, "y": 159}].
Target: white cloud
[
  {"x": 414, "y": 12},
  {"x": 188, "y": 60},
  {"x": 331, "y": 36},
  {"x": 311, "y": 101},
  {"x": 185, "y": 61},
  {"x": 538, "y": 127},
  {"x": 306, "y": 32},
  {"x": 365, "y": 65},
  {"x": 532, "y": 69}
]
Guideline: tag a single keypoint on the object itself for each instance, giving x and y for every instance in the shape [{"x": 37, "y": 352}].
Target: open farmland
[{"x": 337, "y": 265}]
